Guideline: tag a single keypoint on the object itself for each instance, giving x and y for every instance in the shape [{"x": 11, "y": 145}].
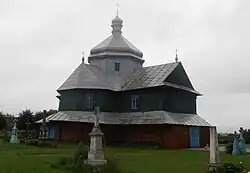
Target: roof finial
[
  {"x": 117, "y": 9},
  {"x": 176, "y": 56},
  {"x": 83, "y": 57},
  {"x": 117, "y": 24}
]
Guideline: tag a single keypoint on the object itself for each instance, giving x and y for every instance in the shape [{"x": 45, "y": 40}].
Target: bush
[
  {"x": 31, "y": 142},
  {"x": 47, "y": 143},
  {"x": 3, "y": 122},
  {"x": 229, "y": 148},
  {"x": 247, "y": 140},
  {"x": 22, "y": 141},
  {"x": 229, "y": 167},
  {"x": 6, "y": 136}
]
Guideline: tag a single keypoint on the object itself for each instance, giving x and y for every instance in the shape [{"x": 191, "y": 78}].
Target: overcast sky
[{"x": 41, "y": 43}]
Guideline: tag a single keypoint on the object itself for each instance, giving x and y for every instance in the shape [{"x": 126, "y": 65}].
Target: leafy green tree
[
  {"x": 3, "y": 123},
  {"x": 9, "y": 121},
  {"x": 39, "y": 115},
  {"x": 24, "y": 117}
]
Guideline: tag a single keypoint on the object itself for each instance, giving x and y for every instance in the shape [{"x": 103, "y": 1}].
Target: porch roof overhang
[{"x": 152, "y": 117}]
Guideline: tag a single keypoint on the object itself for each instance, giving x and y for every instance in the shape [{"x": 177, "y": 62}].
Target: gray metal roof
[
  {"x": 148, "y": 76},
  {"x": 153, "y": 117},
  {"x": 91, "y": 77},
  {"x": 181, "y": 87},
  {"x": 116, "y": 43},
  {"x": 87, "y": 76}
]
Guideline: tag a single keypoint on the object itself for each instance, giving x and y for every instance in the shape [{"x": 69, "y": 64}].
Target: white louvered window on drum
[{"x": 89, "y": 100}]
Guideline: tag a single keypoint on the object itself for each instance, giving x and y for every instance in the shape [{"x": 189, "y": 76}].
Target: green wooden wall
[
  {"x": 150, "y": 99},
  {"x": 179, "y": 101},
  {"x": 75, "y": 100},
  {"x": 179, "y": 77}
]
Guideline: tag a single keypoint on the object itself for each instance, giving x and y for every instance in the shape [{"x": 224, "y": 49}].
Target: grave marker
[
  {"x": 96, "y": 154},
  {"x": 14, "y": 136},
  {"x": 214, "y": 149}
]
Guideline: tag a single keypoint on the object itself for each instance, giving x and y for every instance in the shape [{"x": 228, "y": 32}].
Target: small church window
[
  {"x": 134, "y": 101},
  {"x": 117, "y": 66},
  {"x": 89, "y": 101}
]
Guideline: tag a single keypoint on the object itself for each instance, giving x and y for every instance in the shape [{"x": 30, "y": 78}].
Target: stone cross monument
[
  {"x": 214, "y": 150},
  {"x": 97, "y": 112},
  {"x": 236, "y": 150},
  {"x": 14, "y": 136},
  {"x": 96, "y": 154},
  {"x": 43, "y": 129},
  {"x": 241, "y": 140}
]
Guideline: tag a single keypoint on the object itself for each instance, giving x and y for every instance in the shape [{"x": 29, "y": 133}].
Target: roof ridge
[{"x": 162, "y": 64}]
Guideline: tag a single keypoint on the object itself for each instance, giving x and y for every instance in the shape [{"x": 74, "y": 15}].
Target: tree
[
  {"x": 24, "y": 117},
  {"x": 39, "y": 115},
  {"x": 9, "y": 120},
  {"x": 3, "y": 123}
]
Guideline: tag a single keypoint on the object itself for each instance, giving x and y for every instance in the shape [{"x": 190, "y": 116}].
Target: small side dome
[
  {"x": 117, "y": 20},
  {"x": 117, "y": 26}
]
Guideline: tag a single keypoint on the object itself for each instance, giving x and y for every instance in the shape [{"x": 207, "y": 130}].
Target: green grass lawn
[{"x": 25, "y": 159}]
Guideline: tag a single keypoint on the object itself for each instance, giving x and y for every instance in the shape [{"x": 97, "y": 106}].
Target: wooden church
[{"x": 151, "y": 105}]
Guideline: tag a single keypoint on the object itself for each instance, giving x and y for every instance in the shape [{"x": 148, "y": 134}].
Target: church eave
[
  {"x": 117, "y": 54},
  {"x": 84, "y": 87},
  {"x": 117, "y": 50},
  {"x": 151, "y": 117}
]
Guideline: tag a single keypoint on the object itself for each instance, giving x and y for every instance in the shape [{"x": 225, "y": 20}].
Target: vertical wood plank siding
[
  {"x": 165, "y": 135},
  {"x": 150, "y": 99}
]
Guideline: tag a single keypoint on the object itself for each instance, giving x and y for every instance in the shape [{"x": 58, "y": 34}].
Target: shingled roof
[
  {"x": 91, "y": 77},
  {"x": 88, "y": 77},
  {"x": 146, "y": 77},
  {"x": 152, "y": 117}
]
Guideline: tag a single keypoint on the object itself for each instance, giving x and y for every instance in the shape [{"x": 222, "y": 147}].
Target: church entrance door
[{"x": 194, "y": 137}]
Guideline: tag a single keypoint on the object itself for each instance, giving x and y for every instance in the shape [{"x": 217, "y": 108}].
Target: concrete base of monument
[
  {"x": 213, "y": 166},
  {"x": 14, "y": 140},
  {"x": 95, "y": 158},
  {"x": 95, "y": 162}
]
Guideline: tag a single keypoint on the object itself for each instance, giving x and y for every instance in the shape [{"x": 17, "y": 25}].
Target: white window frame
[
  {"x": 89, "y": 101},
  {"x": 134, "y": 101}
]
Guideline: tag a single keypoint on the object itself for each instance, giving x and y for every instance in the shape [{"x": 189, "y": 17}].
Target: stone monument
[
  {"x": 96, "y": 154},
  {"x": 236, "y": 150},
  {"x": 14, "y": 136},
  {"x": 43, "y": 129},
  {"x": 241, "y": 141},
  {"x": 214, "y": 150}
]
